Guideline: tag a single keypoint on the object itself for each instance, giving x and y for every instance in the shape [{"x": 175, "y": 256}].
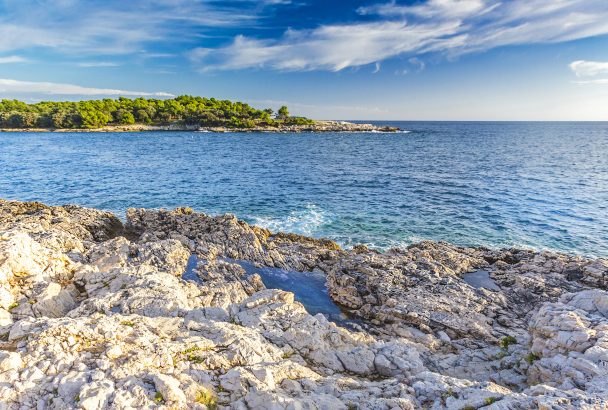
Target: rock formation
[{"x": 95, "y": 314}]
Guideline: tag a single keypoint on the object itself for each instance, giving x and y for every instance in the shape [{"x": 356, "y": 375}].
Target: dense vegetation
[{"x": 185, "y": 109}]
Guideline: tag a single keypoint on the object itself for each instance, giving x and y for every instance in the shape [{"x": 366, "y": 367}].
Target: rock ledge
[{"x": 94, "y": 315}]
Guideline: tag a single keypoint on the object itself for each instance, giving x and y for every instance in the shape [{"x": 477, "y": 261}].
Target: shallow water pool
[
  {"x": 308, "y": 288},
  {"x": 481, "y": 279},
  {"x": 189, "y": 273}
]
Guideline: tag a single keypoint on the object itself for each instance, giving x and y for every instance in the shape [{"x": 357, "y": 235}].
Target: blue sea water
[
  {"x": 308, "y": 288},
  {"x": 540, "y": 185}
]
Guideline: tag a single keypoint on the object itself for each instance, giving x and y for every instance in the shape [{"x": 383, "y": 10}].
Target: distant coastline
[
  {"x": 315, "y": 126},
  {"x": 184, "y": 113}
]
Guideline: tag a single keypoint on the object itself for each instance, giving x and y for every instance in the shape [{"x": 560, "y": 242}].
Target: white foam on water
[
  {"x": 307, "y": 221},
  {"x": 381, "y": 132}
]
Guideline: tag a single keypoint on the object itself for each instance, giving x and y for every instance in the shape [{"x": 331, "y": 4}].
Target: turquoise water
[{"x": 543, "y": 185}]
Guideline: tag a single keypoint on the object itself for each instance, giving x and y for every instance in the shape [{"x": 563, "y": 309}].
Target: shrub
[
  {"x": 192, "y": 358},
  {"x": 158, "y": 398},
  {"x": 491, "y": 400},
  {"x": 206, "y": 397},
  {"x": 507, "y": 341},
  {"x": 532, "y": 357}
]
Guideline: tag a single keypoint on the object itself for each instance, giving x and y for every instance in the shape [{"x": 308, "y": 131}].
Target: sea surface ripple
[{"x": 540, "y": 185}]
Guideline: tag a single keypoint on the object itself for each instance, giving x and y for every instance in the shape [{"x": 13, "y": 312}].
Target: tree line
[{"x": 188, "y": 110}]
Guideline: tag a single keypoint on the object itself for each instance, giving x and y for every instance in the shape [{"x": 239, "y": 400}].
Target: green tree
[
  {"x": 143, "y": 116},
  {"x": 97, "y": 113},
  {"x": 15, "y": 120},
  {"x": 45, "y": 121},
  {"x": 92, "y": 118},
  {"x": 124, "y": 116},
  {"x": 283, "y": 113}
]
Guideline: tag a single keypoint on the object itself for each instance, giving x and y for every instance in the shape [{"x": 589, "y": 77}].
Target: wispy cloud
[
  {"x": 584, "y": 68},
  {"x": 205, "y": 30},
  {"x": 600, "y": 81},
  {"x": 98, "y": 64},
  {"x": 117, "y": 27},
  {"x": 452, "y": 27},
  {"x": 430, "y": 9},
  {"x": 328, "y": 47},
  {"x": 16, "y": 86},
  {"x": 12, "y": 59},
  {"x": 418, "y": 63},
  {"x": 157, "y": 55}
]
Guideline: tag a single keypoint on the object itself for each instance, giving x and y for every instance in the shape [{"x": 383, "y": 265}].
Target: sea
[{"x": 540, "y": 185}]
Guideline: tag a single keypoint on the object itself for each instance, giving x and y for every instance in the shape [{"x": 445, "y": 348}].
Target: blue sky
[{"x": 427, "y": 59}]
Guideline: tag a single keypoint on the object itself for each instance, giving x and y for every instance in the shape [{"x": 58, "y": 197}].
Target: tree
[
  {"x": 92, "y": 118},
  {"x": 123, "y": 116},
  {"x": 97, "y": 113},
  {"x": 283, "y": 113},
  {"x": 45, "y": 121},
  {"x": 15, "y": 120},
  {"x": 143, "y": 116}
]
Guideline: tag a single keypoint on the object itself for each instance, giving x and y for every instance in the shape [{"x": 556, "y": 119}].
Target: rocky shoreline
[
  {"x": 317, "y": 126},
  {"x": 95, "y": 314}
]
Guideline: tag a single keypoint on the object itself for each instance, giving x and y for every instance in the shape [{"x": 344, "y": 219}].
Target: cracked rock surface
[{"x": 95, "y": 314}]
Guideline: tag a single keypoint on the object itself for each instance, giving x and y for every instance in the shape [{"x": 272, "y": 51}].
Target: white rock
[
  {"x": 10, "y": 361},
  {"x": 96, "y": 395},
  {"x": 54, "y": 301},
  {"x": 71, "y": 383},
  {"x": 169, "y": 387}
]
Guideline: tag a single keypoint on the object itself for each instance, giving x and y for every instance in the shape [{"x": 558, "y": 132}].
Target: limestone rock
[
  {"x": 97, "y": 315},
  {"x": 169, "y": 388}
]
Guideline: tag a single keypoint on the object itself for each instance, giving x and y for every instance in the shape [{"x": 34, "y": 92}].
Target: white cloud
[
  {"x": 12, "y": 59},
  {"x": 584, "y": 68},
  {"x": 16, "y": 86},
  {"x": 432, "y": 8},
  {"x": 276, "y": 2},
  {"x": 116, "y": 27},
  {"x": 415, "y": 61},
  {"x": 158, "y": 55},
  {"x": 328, "y": 47},
  {"x": 376, "y": 68},
  {"x": 452, "y": 27},
  {"x": 142, "y": 27},
  {"x": 601, "y": 81},
  {"x": 97, "y": 64}
]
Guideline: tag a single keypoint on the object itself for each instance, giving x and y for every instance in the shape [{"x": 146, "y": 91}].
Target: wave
[
  {"x": 382, "y": 132},
  {"x": 308, "y": 221}
]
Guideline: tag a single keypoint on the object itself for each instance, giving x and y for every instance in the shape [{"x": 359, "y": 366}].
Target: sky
[{"x": 358, "y": 59}]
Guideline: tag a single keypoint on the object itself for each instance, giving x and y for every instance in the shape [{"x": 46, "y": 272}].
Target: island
[
  {"x": 179, "y": 309},
  {"x": 184, "y": 113}
]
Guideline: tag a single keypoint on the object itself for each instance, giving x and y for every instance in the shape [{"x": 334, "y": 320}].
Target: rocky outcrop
[
  {"x": 96, "y": 315},
  {"x": 315, "y": 126},
  {"x": 570, "y": 342}
]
